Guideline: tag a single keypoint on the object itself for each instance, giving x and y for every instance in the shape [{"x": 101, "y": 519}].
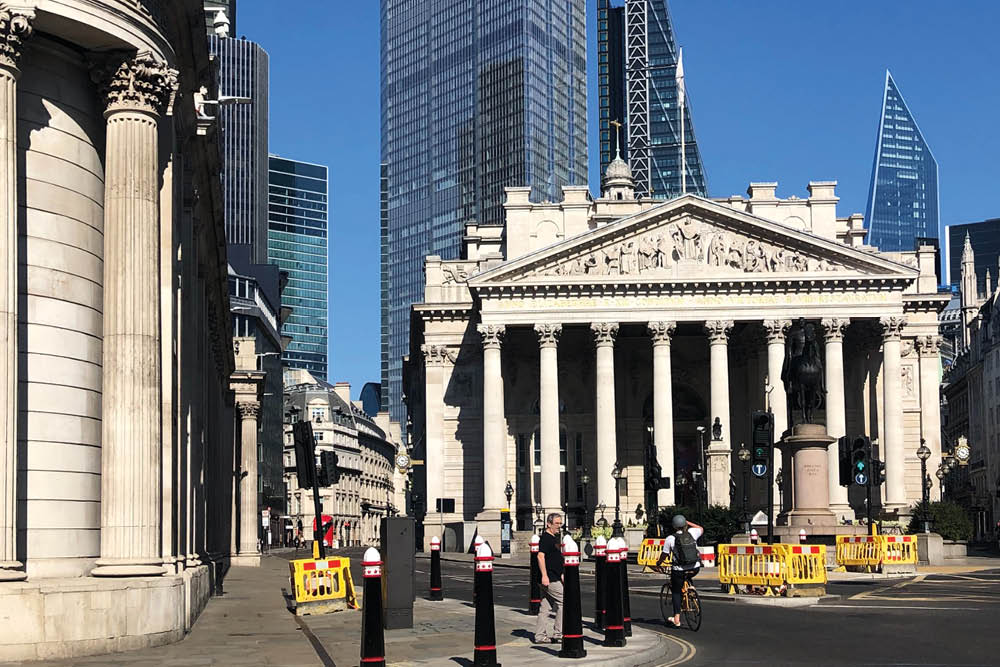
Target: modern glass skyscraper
[
  {"x": 637, "y": 86},
  {"x": 985, "y": 239},
  {"x": 477, "y": 95},
  {"x": 243, "y": 89},
  {"x": 903, "y": 195},
  {"x": 297, "y": 242}
]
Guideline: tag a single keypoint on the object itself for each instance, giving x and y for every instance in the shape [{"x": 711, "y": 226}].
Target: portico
[{"x": 619, "y": 339}]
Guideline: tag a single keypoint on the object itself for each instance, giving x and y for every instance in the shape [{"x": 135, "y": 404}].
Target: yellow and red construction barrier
[
  {"x": 775, "y": 569},
  {"x": 882, "y": 553},
  {"x": 322, "y": 585}
]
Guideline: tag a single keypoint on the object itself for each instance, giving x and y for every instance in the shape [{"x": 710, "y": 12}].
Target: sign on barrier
[{"x": 322, "y": 586}]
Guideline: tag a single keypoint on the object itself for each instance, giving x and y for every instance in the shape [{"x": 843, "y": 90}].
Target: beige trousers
[{"x": 552, "y": 602}]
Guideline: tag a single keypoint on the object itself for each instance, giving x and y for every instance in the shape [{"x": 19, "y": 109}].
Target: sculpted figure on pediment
[
  {"x": 663, "y": 252},
  {"x": 628, "y": 258},
  {"x": 646, "y": 252},
  {"x": 687, "y": 239},
  {"x": 735, "y": 256}
]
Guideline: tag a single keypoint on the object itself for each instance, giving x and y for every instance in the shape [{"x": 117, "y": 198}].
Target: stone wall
[{"x": 60, "y": 230}]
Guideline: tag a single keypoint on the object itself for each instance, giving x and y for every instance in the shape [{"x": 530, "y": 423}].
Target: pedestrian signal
[{"x": 860, "y": 449}]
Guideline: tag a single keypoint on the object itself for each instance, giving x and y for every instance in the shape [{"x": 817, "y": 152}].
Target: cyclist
[{"x": 685, "y": 561}]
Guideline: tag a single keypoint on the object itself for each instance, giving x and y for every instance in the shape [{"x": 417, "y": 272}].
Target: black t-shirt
[{"x": 549, "y": 545}]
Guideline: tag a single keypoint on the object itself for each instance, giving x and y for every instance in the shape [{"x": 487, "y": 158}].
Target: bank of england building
[{"x": 591, "y": 332}]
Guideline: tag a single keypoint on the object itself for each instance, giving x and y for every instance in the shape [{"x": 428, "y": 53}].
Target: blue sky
[{"x": 782, "y": 90}]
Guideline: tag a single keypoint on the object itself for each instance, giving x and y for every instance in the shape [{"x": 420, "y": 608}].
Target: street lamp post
[
  {"x": 539, "y": 520},
  {"x": 616, "y": 527},
  {"x": 924, "y": 453},
  {"x": 585, "y": 481},
  {"x": 744, "y": 456},
  {"x": 509, "y": 492}
]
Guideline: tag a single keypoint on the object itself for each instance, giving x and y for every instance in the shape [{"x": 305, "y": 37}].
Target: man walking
[{"x": 550, "y": 565}]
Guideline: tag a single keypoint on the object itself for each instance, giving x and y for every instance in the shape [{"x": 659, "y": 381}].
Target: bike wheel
[
  {"x": 666, "y": 603},
  {"x": 692, "y": 609}
]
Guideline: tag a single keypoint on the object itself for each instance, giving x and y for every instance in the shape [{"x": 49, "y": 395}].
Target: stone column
[
  {"x": 836, "y": 411},
  {"x": 494, "y": 439},
  {"x": 607, "y": 439},
  {"x": 929, "y": 347},
  {"x": 663, "y": 407},
  {"x": 249, "y": 553},
  {"x": 136, "y": 90},
  {"x": 14, "y": 27},
  {"x": 435, "y": 357},
  {"x": 548, "y": 408},
  {"x": 777, "y": 401},
  {"x": 894, "y": 457},
  {"x": 718, "y": 456}
]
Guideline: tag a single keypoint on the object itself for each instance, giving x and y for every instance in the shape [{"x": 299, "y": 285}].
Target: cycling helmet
[{"x": 679, "y": 522}]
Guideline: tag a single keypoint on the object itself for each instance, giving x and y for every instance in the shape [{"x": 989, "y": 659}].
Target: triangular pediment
[{"x": 691, "y": 238}]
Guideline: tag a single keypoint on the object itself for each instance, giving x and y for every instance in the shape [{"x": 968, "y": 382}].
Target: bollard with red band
[
  {"x": 572, "y": 620},
  {"x": 372, "y": 635},
  {"x": 600, "y": 558},
  {"x": 802, "y": 535},
  {"x": 626, "y": 605},
  {"x": 476, "y": 543},
  {"x": 486, "y": 634},
  {"x": 614, "y": 621},
  {"x": 535, "y": 587},
  {"x": 754, "y": 537},
  {"x": 436, "y": 593}
]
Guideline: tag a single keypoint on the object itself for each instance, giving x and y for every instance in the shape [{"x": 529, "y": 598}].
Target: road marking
[
  {"x": 889, "y": 606},
  {"x": 687, "y": 649}
]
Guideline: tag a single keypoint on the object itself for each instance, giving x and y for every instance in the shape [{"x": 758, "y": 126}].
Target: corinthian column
[
  {"x": 548, "y": 409},
  {"x": 836, "y": 410},
  {"x": 14, "y": 27},
  {"x": 249, "y": 553},
  {"x": 494, "y": 450},
  {"x": 929, "y": 347},
  {"x": 663, "y": 407},
  {"x": 136, "y": 90},
  {"x": 777, "y": 401},
  {"x": 718, "y": 455},
  {"x": 895, "y": 490},
  {"x": 607, "y": 440}
]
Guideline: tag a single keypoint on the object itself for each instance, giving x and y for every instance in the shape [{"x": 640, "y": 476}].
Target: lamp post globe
[
  {"x": 616, "y": 473},
  {"x": 924, "y": 453},
  {"x": 585, "y": 481},
  {"x": 509, "y": 492}
]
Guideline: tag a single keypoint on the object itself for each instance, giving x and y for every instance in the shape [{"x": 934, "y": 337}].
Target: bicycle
[{"x": 690, "y": 603}]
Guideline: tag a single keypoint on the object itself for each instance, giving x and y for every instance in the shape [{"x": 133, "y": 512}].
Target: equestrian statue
[{"x": 802, "y": 372}]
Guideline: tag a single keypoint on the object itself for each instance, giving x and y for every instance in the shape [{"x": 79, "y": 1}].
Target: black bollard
[
  {"x": 626, "y": 606},
  {"x": 535, "y": 587},
  {"x": 572, "y": 626},
  {"x": 614, "y": 622},
  {"x": 436, "y": 593},
  {"x": 486, "y": 633},
  {"x": 372, "y": 635},
  {"x": 600, "y": 558},
  {"x": 475, "y": 549}
]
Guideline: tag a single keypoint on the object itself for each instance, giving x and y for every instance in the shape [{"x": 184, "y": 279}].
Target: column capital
[
  {"x": 929, "y": 346},
  {"x": 718, "y": 331},
  {"x": 834, "y": 328},
  {"x": 548, "y": 334},
  {"x": 775, "y": 330},
  {"x": 436, "y": 355},
  {"x": 661, "y": 332},
  {"x": 139, "y": 82},
  {"x": 15, "y": 28},
  {"x": 892, "y": 328},
  {"x": 492, "y": 335},
  {"x": 248, "y": 409},
  {"x": 604, "y": 333}
]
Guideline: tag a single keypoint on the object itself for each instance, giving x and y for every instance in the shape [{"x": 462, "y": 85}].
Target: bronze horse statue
[{"x": 802, "y": 372}]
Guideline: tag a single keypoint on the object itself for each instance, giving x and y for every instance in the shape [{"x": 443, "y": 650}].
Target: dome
[{"x": 618, "y": 168}]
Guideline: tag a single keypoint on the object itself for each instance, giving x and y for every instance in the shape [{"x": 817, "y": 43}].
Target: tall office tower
[
  {"x": 297, "y": 241},
  {"x": 243, "y": 89},
  {"x": 903, "y": 195},
  {"x": 637, "y": 85},
  {"x": 477, "y": 95}
]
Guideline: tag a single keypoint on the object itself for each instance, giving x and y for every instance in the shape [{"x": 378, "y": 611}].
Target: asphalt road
[{"x": 927, "y": 620}]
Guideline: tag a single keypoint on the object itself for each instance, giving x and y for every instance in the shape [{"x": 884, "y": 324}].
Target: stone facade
[
  {"x": 366, "y": 451},
  {"x": 587, "y": 332},
  {"x": 116, "y": 446}
]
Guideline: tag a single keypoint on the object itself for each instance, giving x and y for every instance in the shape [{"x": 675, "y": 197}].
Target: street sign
[
  {"x": 760, "y": 469},
  {"x": 861, "y": 479}
]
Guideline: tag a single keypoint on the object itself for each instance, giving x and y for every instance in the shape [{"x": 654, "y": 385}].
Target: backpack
[{"x": 685, "y": 552}]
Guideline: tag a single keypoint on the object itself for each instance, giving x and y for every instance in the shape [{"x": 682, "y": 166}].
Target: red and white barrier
[{"x": 707, "y": 556}]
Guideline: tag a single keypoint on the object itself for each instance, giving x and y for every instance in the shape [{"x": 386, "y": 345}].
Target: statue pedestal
[{"x": 811, "y": 484}]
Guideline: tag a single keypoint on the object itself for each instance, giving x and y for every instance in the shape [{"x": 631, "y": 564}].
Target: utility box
[{"x": 398, "y": 565}]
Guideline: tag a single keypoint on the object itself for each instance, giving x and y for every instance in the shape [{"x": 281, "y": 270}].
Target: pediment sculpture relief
[{"x": 691, "y": 242}]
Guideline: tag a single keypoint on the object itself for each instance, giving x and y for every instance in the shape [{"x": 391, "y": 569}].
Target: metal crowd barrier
[
  {"x": 322, "y": 586},
  {"x": 776, "y": 569}
]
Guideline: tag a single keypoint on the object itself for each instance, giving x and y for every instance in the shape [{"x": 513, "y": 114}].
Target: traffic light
[
  {"x": 328, "y": 473},
  {"x": 860, "y": 470},
  {"x": 305, "y": 454},
  {"x": 844, "y": 445},
  {"x": 878, "y": 472},
  {"x": 762, "y": 424}
]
